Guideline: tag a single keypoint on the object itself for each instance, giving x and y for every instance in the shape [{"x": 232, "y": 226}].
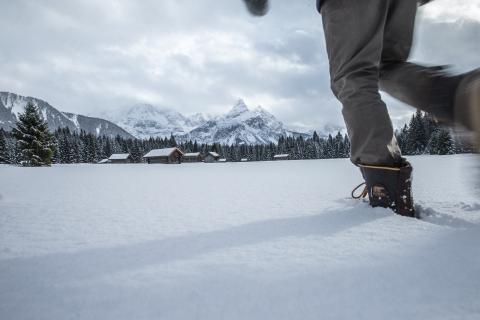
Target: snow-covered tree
[
  {"x": 445, "y": 144},
  {"x": 417, "y": 138},
  {"x": 35, "y": 143},
  {"x": 3, "y": 147}
]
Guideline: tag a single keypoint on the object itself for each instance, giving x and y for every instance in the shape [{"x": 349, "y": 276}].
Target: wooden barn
[
  {"x": 211, "y": 157},
  {"x": 281, "y": 157},
  {"x": 192, "y": 157},
  {"x": 120, "y": 158},
  {"x": 168, "y": 155}
]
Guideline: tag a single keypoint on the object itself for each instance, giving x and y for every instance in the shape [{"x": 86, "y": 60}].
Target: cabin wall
[
  {"x": 120, "y": 161},
  {"x": 157, "y": 160},
  {"x": 165, "y": 160}
]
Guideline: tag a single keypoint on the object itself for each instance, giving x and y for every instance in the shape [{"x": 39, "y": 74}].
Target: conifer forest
[{"x": 422, "y": 135}]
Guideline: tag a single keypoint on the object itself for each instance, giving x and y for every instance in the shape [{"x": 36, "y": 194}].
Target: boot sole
[{"x": 467, "y": 105}]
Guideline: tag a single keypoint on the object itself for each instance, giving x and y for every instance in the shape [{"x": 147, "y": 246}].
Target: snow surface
[
  {"x": 265, "y": 240},
  {"x": 14, "y": 103},
  {"x": 73, "y": 117}
]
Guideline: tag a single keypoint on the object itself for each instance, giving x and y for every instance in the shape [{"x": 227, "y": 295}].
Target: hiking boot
[
  {"x": 257, "y": 7},
  {"x": 389, "y": 187},
  {"x": 467, "y": 104}
]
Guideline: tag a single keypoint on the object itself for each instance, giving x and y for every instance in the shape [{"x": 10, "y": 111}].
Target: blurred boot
[{"x": 467, "y": 104}]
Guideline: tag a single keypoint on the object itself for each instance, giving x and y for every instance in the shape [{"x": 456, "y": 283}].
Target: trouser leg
[
  {"x": 354, "y": 33},
  {"x": 429, "y": 89}
]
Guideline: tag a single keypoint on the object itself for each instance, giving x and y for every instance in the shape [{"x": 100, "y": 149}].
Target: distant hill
[{"x": 12, "y": 104}]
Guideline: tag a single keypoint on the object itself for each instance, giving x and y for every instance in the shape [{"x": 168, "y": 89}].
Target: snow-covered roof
[
  {"x": 244, "y": 160},
  {"x": 222, "y": 160},
  {"x": 161, "y": 152},
  {"x": 103, "y": 161},
  {"x": 119, "y": 156},
  {"x": 281, "y": 156},
  {"x": 214, "y": 154},
  {"x": 193, "y": 154}
]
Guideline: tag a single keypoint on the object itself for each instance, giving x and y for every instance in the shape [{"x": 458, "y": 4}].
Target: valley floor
[{"x": 264, "y": 240}]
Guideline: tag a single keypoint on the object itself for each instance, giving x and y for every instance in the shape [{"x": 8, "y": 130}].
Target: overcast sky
[{"x": 88, "y": 56}]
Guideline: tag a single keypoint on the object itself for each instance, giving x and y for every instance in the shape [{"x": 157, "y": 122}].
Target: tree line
[
  {"x": 31, "y": 144},
  {"x": 424, "y": 135}
]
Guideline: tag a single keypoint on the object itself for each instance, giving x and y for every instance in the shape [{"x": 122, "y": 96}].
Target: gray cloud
[{"x": 88, "y": 56}]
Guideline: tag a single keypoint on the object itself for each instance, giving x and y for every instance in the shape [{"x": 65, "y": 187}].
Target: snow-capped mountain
[
  {"x": 145, "y": 121},
  {"x": 240, "y": 126},
  {"x": 12, "y": 104}
]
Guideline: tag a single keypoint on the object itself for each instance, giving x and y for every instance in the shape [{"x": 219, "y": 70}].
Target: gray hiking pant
[{"x": 368, "y": 44}]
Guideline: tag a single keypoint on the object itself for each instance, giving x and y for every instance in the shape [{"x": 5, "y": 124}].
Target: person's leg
[
  {"x": 467, "y": 104},
  {"x": 429, "y": 89},
  {"x": 354, "y": 33},
  {"x": 451, "y": 99}
]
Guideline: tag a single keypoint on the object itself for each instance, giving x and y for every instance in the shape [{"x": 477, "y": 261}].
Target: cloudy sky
[{"x": 88, "y": 56}]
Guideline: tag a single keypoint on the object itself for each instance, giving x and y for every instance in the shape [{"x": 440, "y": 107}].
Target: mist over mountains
[{"x": 144, "y": 121}]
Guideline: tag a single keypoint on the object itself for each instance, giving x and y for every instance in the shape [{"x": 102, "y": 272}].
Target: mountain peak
[
  {"x": 239, "y": 108},
  {"x": 143, "y": 109}
]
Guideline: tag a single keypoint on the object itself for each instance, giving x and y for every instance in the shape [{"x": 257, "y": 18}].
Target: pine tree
[
  {"x": 171, "y": 142},
  {"x": 3, "y": 147},
  {"x": 445, "y": 142},
  {"x": 34, "y": 141},
  {"x": 416, "y": 138},
  {"x": 135, "y": 152},
  {"x": 346, "y": 145}
]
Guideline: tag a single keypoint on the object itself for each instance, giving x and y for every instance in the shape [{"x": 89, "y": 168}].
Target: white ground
[{"x": 266, "y": 240}]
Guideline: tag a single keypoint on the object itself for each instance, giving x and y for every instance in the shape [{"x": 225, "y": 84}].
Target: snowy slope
[
  {"x": 12, "y": 104},
  {"x": 266, "y": 240},
  {"x": 145, "y": 121},
  {"x": 240, "y": 126}
]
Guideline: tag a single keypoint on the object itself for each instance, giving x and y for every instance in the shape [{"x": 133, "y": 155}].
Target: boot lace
[{"x": 362, "y": 194}]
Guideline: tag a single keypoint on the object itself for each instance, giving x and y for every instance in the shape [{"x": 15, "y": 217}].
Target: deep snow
[{"x": 264, "y": 240}]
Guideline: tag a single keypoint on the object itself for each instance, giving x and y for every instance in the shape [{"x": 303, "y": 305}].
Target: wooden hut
[
  {"x": 281, "y": 157},
  {"x": 192, "y": 157},
  {"x": 120, "y": 158},
  {"x": 211, "y": 157},
  {"x": 168, "y": 155}
]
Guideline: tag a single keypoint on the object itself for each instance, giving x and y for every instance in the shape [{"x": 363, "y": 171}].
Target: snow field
[{"x": 264, "y": 240}]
